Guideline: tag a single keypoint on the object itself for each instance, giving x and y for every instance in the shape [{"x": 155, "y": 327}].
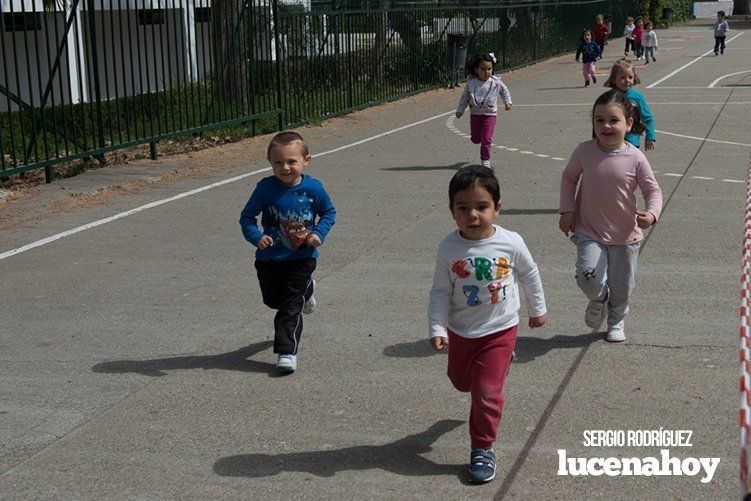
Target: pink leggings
[
  {"x": 588, "y": 70},
  {"x": 482, "y": 128},
  {"x": 479, "y": 366}
]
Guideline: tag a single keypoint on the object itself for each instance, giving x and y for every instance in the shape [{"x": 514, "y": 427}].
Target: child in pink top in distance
[{"x": 603, "y": 217}]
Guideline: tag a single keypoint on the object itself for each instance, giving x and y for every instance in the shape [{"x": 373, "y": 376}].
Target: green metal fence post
[
  {"x": 95, "y": 65},
  {"x": 278, "y": 57}
]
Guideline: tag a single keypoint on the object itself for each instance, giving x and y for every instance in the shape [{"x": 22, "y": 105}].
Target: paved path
[{"x": 136, "y": 356}]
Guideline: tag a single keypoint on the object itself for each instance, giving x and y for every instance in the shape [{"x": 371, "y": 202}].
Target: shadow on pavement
[
  {"x": 232, "y": 361},
  {"x": 527, "y": 348},
  {"x": 455, "y": 166},
  {"x": 413, "y": 349},
  {"x": 401, "y": 457},
  {"x": 515, "y": 212},
  {"x": 562, "y": 88}
]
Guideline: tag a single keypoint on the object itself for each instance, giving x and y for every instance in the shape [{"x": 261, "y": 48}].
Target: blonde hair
[
  {"x": 599, "y": 18},
  {"x": 621, "y": 64},
  {"x": 629, "y": 19}
]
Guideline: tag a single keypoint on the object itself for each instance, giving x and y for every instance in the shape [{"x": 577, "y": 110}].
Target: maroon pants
[
  {"x": 481, "y": 128},
  {"x": 479, "y": 366}
]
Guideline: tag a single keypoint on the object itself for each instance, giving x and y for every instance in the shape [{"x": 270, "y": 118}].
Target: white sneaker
[
  {"x": 310, "y": 304},
  {"x": 616, "y": 333},
  {"x": 486, "y": 163},
  {"x": 595, "y": 313},
  {"x": 286, "y": 363}
]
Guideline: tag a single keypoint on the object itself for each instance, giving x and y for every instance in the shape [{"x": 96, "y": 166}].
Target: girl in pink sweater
[{"x": 603, "y": 218}]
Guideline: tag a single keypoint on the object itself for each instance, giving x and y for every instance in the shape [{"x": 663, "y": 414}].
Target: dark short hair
[
  {"x": 721, "y": 12},
  {"x": 629, "y": 110},
  {"x": 470, "y": 175},
  {"x": 285, "y": 138},
  {"x": 474, "y": 62}
]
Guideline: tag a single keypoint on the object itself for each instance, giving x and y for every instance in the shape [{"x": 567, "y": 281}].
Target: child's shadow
[
  {"x": 233, "y": 361},
  {"x": 527, "y": 348},
  {"x": 401, "y": 457}
]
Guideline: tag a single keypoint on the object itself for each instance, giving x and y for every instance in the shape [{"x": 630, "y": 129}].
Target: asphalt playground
[{"x": 135, "y": 351}]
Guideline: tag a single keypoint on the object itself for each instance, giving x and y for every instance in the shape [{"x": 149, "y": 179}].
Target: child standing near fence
[
  {"x": 474, "y": 304},
  {"x": 602, "y": 217},
  {"x": 628, "y": 32},
  {"x": 649, "y": 41},
  {"x": 481, "y": 95},
  {"x": 600, "y": 33},
  {"x": 720, "y": 29},
  {"x": 589, "y": 50},
  {"x": 623, "y": 77},
  {"x": 289, "y": 202}
]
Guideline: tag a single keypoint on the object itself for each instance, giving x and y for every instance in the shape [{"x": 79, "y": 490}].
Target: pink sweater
[{"x": 604, "y": 208}]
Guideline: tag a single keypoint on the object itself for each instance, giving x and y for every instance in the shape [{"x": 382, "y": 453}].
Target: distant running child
[
  {"x": 289, "y": 202},
  {"x": 589, "y": 50},
  {"x": 720, "y": 30},
  {"x": 600, "y": 33},
  {"x": 474, "y": 304},
  {"x": 481, "y": 95},
  {"x": 602, "y": 217},
  {"x": 637, "y": 33},
  {"x": 628, "y": 32},
  {"x": 649, "y": 41},
  {"x": 623, "y": 77}
]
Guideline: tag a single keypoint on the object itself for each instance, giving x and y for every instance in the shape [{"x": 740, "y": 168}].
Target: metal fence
[{"x": 85, "y": 77}]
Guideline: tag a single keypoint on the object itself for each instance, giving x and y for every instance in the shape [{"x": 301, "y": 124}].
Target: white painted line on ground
[
  {"x": 734, "y": 181},
  {"x": 672, "y": 174},
  {"x": 702, "y": 177},
  {"x": 58, "y": 236},
  {"x": 695, "y": 87},
  {"x": 691, "y": 103},
  {"x": 711, "y": 86},
  {"x": 100, "y": 222},
  {"x": 702, "y": 138},
  {"x": 674, "y": 72}
]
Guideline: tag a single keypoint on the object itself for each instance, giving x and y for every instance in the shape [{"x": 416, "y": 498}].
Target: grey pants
[{"x": 601, "y": 267}]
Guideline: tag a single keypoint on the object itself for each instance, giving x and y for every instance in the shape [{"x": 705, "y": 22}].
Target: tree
[
  {"x": 229, "y": 49},
  {"x": 742, "y": 7}
]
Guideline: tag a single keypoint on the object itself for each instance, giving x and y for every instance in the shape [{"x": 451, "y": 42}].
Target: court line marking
[
  {"x": 712, "y": 85},
  {"x": 674, "y": 72},
  {"x": 151, "y": 205},
  {"x": 136, "y": 210},
  {"x": 450, "y": 125}
]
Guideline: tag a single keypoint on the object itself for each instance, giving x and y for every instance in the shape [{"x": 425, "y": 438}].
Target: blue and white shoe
[
  {"x": 481, "y": 465},
  {"x": 286, "y": 363}
]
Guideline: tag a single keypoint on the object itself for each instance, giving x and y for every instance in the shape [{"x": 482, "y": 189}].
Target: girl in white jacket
[{"x": 481, "y": 95}]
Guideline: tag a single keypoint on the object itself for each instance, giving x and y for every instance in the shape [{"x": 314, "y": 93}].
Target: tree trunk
[
  {"x": 742, "y": 7},
  {"x": 405, "y": 24},
  {"x": 230, "y": 50},
  {"x": 381, "y": 37}
]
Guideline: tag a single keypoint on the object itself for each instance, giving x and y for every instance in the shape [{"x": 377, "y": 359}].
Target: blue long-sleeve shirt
[
  {"x": 590, "y": 52},
  {"x": 647, "y": 119},
  {"x": 288, "y": 216}
]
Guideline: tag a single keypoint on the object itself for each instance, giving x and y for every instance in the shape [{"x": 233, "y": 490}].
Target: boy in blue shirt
[{"x": 289, "y": 202}]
